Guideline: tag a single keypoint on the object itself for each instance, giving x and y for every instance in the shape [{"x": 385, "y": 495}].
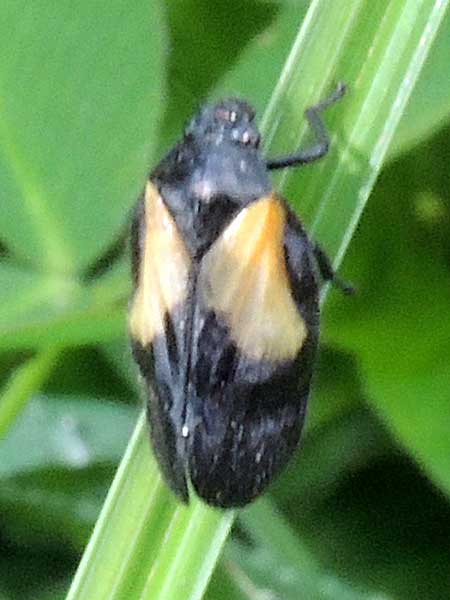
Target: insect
[{"x": 224, "y": 318}]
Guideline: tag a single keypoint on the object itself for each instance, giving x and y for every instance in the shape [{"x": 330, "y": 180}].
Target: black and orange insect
[{"x": 224, "y": 318}]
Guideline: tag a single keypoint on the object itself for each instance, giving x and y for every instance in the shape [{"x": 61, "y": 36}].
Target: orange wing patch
[
  {"x": 164, "y": 271},
  {"x": 244, "y": 279}
]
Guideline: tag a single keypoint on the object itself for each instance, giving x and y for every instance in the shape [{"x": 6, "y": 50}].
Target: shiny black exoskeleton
[{"x": 225, "y": 316}]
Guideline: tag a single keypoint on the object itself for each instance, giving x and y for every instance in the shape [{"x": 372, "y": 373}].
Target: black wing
[
  {"x": 157, "y": 319},
  {"x": 255, "y": 334}
]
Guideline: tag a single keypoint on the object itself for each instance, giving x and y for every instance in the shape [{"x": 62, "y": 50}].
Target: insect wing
[
  {"x": 250, "y": 341},
  {"x": 157, "y": 327}
]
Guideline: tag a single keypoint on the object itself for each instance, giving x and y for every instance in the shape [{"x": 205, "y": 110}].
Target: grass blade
[{"x": 143, "y": 541}]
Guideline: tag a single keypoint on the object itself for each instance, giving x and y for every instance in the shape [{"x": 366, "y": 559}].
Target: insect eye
[
  {"x": 249, "y": 138},
  {"x": 226, "y": 115}
]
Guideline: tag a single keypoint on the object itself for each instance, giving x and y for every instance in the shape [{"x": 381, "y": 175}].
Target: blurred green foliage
[{"x": 90, "y": 96}]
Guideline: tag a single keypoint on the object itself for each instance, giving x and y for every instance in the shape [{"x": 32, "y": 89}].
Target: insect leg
[
  {"x": 320, "y": 148},
  {"x": 327, "y": 272}
]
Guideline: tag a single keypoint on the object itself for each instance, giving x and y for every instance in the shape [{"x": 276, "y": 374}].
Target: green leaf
[
  {"x": 54, "y": 507},
  {"x": 78, "y": 106},
  {"x": 429, "y": 106},
  {"x": 21, "y": 385},
  {"x": 68, "y": 432},
  {"x": 55, "y": 465},
  {"x": 329, "y": 455},
  {"x": 245, "y": 77},
  {"x": 207, "y": 38},
  {"x": 397, "y": 324},
  {"x": 38, "y": 310},
  {"x": 275, "y": 559}
]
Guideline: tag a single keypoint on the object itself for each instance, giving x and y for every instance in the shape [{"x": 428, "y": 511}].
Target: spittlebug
[{"x": 224, "y": 318}]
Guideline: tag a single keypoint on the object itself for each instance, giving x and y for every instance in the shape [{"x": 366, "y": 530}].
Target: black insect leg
[
  {"x": 320, "y": 148},
  {"x": 327, "y": 272}
]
